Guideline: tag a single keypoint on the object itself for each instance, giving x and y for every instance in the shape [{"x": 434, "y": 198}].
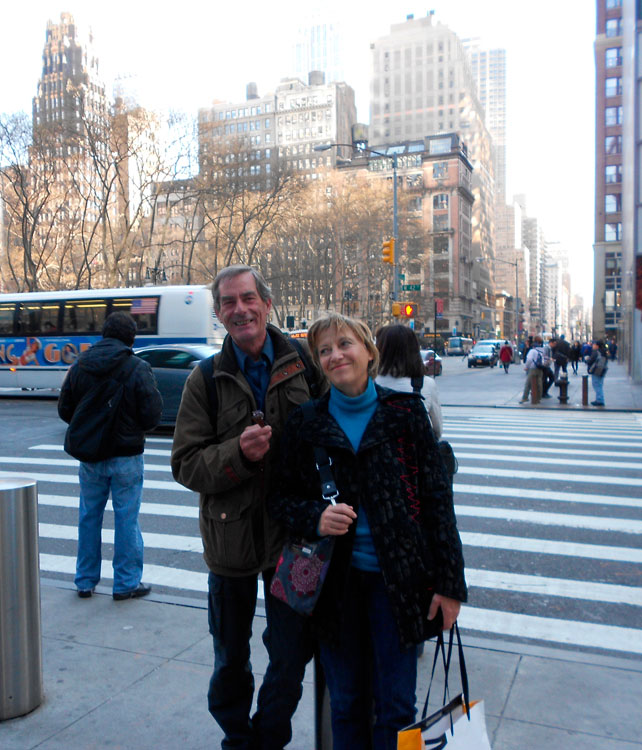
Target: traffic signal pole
[{"x": 395, "y": 229}]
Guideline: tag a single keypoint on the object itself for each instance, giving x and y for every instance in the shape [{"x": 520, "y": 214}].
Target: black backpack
[
  {"x": 207, "y": 368},
  {"x": 90, "y": 431}
]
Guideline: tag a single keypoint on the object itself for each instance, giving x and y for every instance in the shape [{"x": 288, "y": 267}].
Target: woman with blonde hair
[{"x": 397, "y": 563}]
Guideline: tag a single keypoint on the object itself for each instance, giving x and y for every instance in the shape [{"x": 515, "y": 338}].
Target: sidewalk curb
[{"x": 543, "y": 407}]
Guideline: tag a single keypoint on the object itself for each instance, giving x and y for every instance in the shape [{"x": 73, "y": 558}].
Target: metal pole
[
  {"x": 395, "y": 227},
  {"x": 20, "y": 631}
]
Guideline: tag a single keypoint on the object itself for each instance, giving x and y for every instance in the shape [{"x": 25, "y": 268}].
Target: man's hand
[
  {"x": 255, "y": 442},
  {"x": 336, "y": 519},
  {"x": 449, "y": 609}
]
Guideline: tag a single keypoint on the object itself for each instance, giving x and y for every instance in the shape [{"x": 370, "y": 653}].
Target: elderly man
[{"x": 227, "y": 452}]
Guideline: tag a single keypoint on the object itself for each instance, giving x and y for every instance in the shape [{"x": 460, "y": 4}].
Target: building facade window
[
  {"x": 613, "y": 57},
  {"x": 439, "y": 170},
  {"x": 613, "y": 203},
  {"x": 610, "y": 4},
  {"x": 613, "y": 144},
  {"x": 613, "y": 231},
  {"x": 613, "y": 27},
  {"x": 440, "y": 202},
  {"x": 612, "y": 116},
  {"x": 613, "y": 174},
  {"x": 613, "y": 86}
]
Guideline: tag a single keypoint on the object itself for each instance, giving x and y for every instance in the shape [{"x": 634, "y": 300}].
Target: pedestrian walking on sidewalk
[
  {"x": 506, "y": 355},
  {"x": 574, "y": 356},
  {"x": 561, "y": 356},
  {"x": 226, "y": 447},
  {"x": 395, "y": 535},
  {"x": 534, "y": 367},
  {"x": 548, "y": 378},
  {"x": 117, "y": 465},
  {"x": 597, "y": 365}
]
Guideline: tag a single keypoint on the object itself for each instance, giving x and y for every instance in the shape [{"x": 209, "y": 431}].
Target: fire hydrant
[{"x": 562, "y": 384}]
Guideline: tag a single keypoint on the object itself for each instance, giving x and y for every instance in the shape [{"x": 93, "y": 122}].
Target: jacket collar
[
  {"x": 282, "y": 351},
  {"x": 389, "y": 418}
]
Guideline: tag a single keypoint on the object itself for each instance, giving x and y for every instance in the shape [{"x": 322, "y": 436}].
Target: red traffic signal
[{"x": 409, "y": 309}]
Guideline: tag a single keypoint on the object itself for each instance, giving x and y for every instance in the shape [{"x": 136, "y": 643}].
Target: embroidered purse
[{"x": 303, "y": 566}]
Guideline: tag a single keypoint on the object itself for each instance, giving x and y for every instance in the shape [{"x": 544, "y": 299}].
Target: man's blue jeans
[
  {"x": 122, "y": 475},
  {"x": 231, "y": 607},
  {"x": 368, "y": 663},
  {"x": 597, "y": 381}
]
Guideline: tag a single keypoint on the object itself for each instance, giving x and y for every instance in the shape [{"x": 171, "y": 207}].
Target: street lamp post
[{"x": 395, "y": 226}]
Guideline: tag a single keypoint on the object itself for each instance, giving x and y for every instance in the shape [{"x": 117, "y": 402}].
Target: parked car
[
  {"x": 432, "y": 362},
  {"x": 482, "y": 355},
  {"x": 171, "y": 364},
  {"x": 497, "y": 343}
]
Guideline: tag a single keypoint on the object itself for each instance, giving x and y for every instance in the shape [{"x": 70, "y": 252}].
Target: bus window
[
  {"x": 7, "y": 313},
  {"x": 143, "y": 309},
  {"x": 38, "y": 318},
  {"x": 84, "y": 316}
]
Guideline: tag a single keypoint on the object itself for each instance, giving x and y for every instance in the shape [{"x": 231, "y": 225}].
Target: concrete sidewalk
[
  {"x": 505, "y": 391},
  {"x": 134, "y": 675}
]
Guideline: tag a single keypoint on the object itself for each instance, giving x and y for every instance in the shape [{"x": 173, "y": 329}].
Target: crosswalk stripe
[
  {"x": 598, "y": 523},
  {"x": 548, "y": 547},
  {"x": 546, "y": 494},
  {"x": 569, "y": 454},
  {"x": 37, "y": 476},
  {"x": 151, "y": 509},
  {"x": 569, "y": 589},
  {"x": 71, "y": 462},
  {"x": 150, "y": 539},
  {"x": 158, "y": 575},
  {"x": 59, "y": 448},
  {"x": 549, "y": 476},
  {"x": 542, "y": 460},
  {"x": 555, "y": 630},
  {"x": 541, "y": 434},
  {"x": 525, "y": 438}
]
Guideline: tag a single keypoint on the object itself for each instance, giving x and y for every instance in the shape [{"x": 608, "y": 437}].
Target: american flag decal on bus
[{"x": 143, "y": 305}]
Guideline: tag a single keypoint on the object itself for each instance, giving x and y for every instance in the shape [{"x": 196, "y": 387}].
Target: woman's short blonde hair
[{"x": 343, "y": 323}]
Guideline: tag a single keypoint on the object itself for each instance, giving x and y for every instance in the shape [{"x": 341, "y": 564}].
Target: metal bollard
[
  {"x": 584, "y": 390},
  {"x": 562, "y": 384},
  {"x": 20, "y": 632}
]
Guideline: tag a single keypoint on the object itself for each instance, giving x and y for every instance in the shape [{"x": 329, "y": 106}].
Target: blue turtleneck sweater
[{"x": 353, "y": 415}]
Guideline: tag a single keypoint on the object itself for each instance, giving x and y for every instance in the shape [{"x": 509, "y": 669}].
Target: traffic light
[
  {"x": 388, "y": 251},
  {"x": 396, "y": 309},
  {"x": 409, "y": 309}
]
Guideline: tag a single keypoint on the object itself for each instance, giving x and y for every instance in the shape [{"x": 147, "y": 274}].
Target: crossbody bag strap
[{"x": 329, "y": 489}]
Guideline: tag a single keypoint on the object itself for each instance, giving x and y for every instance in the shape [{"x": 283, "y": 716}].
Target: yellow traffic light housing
[
  {"x": 388, "y": 251},
  {"x": 396, "y": 309}
]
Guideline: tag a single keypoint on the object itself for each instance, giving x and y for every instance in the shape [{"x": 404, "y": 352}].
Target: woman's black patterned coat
[{"x": 397, "y": 478}]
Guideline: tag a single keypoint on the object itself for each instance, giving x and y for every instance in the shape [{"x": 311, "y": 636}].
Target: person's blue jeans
[
  {"x": 123, "y": 476},
  {"x": 287, "y": 638},
  {"x": 597, "y": 381},
  {"x": 369, "y": 663}
]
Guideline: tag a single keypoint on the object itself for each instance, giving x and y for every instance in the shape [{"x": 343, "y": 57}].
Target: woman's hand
[
  {"x": 449, "y": 609},
  {"x": 336, "y": 519}
]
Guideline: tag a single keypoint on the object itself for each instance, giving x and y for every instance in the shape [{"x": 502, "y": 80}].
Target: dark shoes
[
  {"x": 597, "y": 403},
  {"x": 141, "y": 590},
  {"x": 546, "y": 395},
  {"x": 85, "y": 593}
]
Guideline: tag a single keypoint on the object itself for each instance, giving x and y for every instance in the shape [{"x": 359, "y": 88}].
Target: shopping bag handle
[{"x": 463, "y": 673}]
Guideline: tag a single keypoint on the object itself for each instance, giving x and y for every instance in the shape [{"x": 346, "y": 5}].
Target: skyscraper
[
  {"x": 319, "y": 45},
  {"x": 422, "y": 85},
  {"x": 607, "y": 299},
  {"x": 489, "y": 72},
  {"x": 70, "y": 91}
]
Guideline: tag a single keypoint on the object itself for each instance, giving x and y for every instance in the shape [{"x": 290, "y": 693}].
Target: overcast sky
[{"x": 189, "y": 54}]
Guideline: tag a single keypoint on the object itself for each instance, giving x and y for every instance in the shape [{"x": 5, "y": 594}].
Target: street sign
[
  {"x": 411, "y": 287},
  {"x": 402, "y": 276}
]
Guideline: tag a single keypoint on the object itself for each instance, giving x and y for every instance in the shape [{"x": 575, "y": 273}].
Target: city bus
[
  {"x": 458, "y": 346},
  {"x": 42, "y": 333}
]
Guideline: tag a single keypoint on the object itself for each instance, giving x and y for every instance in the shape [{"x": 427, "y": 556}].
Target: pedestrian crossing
[{"x": 549, "y": 508}]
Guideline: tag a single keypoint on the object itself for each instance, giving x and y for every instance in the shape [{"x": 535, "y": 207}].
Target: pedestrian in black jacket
[
  {"x": 397, "y": 559},
  {"x": 120, "y": 467}
]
